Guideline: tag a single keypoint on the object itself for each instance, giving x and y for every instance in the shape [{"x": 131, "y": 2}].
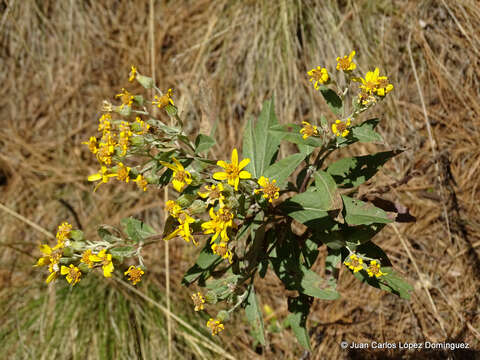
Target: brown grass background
[{"x": 60, "y": 59}]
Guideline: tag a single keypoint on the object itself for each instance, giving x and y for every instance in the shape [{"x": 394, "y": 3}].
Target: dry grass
[{"x": 61, "y": 58}]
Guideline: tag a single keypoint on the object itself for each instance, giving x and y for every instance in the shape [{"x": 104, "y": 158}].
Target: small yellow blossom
[
  {"x": 164, "y": 100},
  {"x": 219, "y": 224},
  {"x": 122, "y": 172},
  {"x": 375, "y": 84},
  {"x": 101, "y": 175},
  {"x": 63, "y": 232},
  {"x": 173, "y": 208},
  {"x": 123, "y": 142},
  {"x": 213, "y": 193},
  {"x": 374, "y": 269},
  {"x": 133, "y": 74},
  {"x": 269, "y": 189},
  {"x": 223, "y": 251},
  {"x": 92, "y": 144},
  {"x": 355, "y": 263},
  {"x": 233, "y": 171},
  {"x": 215, "y": 326},
  {"x": 106, "y": 148},
  {"x": 318, "y": 76},
  {"x": 141, "y": 182},
  {"x": 106, "y": 261},
  {"x": 183, "y": 228},
  {"x": 340, "y": 128},
  {"x": 198, "y": 301},
  {"x": 134, "y": 274},
  {"x": 140, "y": 126},
  {"x": 366, "y": 99},
  {"x": 308, "y": 130},
  {"x": 125, "y": 97},
  {"x": 104, "y": 123},
  {"x": 181, "y": 177},
  {"x": 88, "y": 258},
  {"x": 73, "y": 274},
  {"x": 346, "y": 63},
  {"x": 51, "y": 258}
]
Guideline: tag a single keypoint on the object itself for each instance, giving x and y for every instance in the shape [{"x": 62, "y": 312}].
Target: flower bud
[
  {"x": 78, "y": 245},
  {"x": 76, "y": 235},
  {"x": 197, "y": 207},
  {"x": 138, "y": 99},
  {"x": 145, "y": 81},
  {"x": 186, "y": 200},
  {"x": 83, "y": 268},
  {"x": 68, "y": 251},
  {"x": 223, "y": 316},
  {"x": 137, "y": 140},
  {"x": 211, "y": 297},
  {"x": 124, "y": 110},
  {"x": 152, "y": 179}
]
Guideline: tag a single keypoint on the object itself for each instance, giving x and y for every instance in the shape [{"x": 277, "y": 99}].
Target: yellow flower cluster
[
  {"x": 308, "y": 130},
  {"x": 215, "y": 326},
  {"x": 340, "y": 128},
  {"x": 269, "y": 189},
  {"x": 78, "y": 262},
  {"x": 355, "y": 263}
]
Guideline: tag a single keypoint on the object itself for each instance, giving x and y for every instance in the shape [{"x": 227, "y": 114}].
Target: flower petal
[
  {"x": 220, "y": 176},
  {"x": 235, "y": 157},
  {"x": 243, "y": 163},
  {"x": 244, "y": 175}
]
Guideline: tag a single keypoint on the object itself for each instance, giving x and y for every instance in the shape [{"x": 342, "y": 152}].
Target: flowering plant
[{"x": 248, "y": 213}]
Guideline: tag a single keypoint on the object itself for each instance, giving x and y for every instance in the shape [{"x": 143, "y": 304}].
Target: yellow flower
[
  {"x": 141, "y": 182},
  {"x": 215, "y": 326},
  {"x": 318, "y": 76},
  {"x": 223, "y": 251},
  {"x": 213, "y": 193},
  {"x": 106, "y": 260},
  {"x": 92, "y": 144},
  {"x": 63, "y": 232},
  {"x": 346, "y": 63},
  {"x": 354, "y": 263},
  {"x": 340, "y": 128},
  {"x": 125, "y": 97},
  {"x": 183, "y": 228},
  {"x": 163, "y": 100},
  {"x": 134, "y": 274},
  {"x": 374, "y": 269},
  {"x": 373, "y": 83},
  {"x": 233, "y": 171},
  {"x": 308, "y": 130},
  {"x": 384, "y": 86},
  {"x": 122, "y": 172},
  {"x": 73, "y": 274},
  {"x": 106, "y": 148},
  {"x": 140, "y": 126},
  {"x": 198, "y": 301},
  {"x": 123, "y": 142},
  {"x": 366, "y": 99},
  {"x": 51, "y": 258},
  {"x": 173, "y": 208},
  {"x": 181, "y": 177},
  {"x": 88, "y": 258},
  {"x": 133, "y": 74},
  {"x": 270, "y": 191},
  {"x": 219, "y": 224},
  {"x": 101, "y": 175},
  {"x": 104, "y": 123}
]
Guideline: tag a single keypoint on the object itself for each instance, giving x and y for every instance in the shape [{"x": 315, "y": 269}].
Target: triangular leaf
[
  {"x": 361, "y": 213},
  {"x": 282, "y": 169}
]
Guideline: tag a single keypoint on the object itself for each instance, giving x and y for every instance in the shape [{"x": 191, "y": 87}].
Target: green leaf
[
  {"x": 299, "y": 308},
  {"x": 333, "y": 100},
  {"x": 354, "y": 171},
  {"x": 358, "y": 212},
  {"x": 334, "y": 257},
  {"x": 291, "y": 133},
  {"x": 259, "y": 144},
  {"x": 325, "y": 185},
  {"x": 254, "y": 316},
  {"x": 206, "y": 263},
  {"x": 310, "y": 252},
  {"x": 137, "y": 230},
  {"x": 203, "y": 143},
  {"x": 285, "y": 260},
  {"x": 282, "y": 169},
  {"x": 363, "y": 132},
  {"x": 341, "y": 235}
]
